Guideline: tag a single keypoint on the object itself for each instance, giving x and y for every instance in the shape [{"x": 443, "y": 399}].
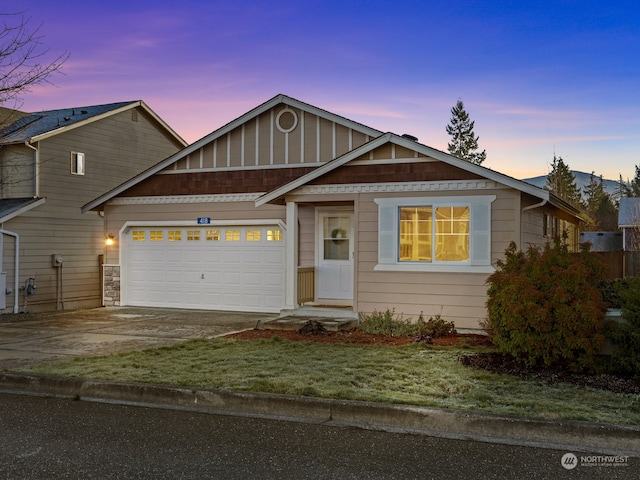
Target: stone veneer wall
[{"x": 111, "y": 288}]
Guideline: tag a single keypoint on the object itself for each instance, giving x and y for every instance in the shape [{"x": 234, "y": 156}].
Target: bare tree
[{"x": 24, "y": 60}]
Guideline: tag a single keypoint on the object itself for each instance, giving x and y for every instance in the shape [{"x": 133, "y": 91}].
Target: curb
[{"x": 568, "y": 435}]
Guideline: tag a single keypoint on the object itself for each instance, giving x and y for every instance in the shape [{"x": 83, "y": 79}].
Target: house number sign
[{"x": 204, "y": 220}]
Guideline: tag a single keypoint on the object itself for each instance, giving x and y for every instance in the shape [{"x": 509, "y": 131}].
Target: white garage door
[{"x": 227, "y": 268}]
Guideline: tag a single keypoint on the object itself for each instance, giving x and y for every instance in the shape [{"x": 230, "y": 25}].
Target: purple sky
[{"x": 538, "y": 77}]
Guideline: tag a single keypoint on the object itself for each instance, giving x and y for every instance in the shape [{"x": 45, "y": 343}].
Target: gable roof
[
  {"x": 266, "y": 106},
  {"x": 34, "y": 127},
  {"x": 542, "y": 194}
]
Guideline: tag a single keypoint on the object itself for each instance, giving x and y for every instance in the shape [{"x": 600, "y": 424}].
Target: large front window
[{"x": 435, "y": 233}]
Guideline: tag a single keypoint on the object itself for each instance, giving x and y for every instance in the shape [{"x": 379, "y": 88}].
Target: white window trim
[
  {"x": 479, "y": 234},
  {"x": 77, "y": 163}
]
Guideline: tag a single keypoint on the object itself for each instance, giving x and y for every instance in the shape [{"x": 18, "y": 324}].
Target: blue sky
[{"x": 537, "y": 78}]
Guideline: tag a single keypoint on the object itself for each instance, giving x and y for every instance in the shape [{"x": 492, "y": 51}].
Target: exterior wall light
[{"x": 110, "y": 240}]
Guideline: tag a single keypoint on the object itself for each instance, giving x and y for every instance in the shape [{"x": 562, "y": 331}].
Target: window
[
  {"x": 138, "y": 235},
  {"x": 253, "y": 235},
  {"x": 193, "y": 234},
  {"x": 435, "y": 234},
  {"x": 155, "y": 235},
  {"x": 232, "y": 235},
  {"x": 274, "y": 235},
  {"x": 77, "y": 163},
  {"x": 175, "y": 235},
  {"x": 213, "y": 235}
]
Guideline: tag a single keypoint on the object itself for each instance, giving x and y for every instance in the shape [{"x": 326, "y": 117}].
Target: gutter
[
  {"x": 36, "y": 169},
  {"x": 525, "y": 209}
]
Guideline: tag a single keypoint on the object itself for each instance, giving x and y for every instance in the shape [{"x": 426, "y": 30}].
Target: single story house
[{"x": 290, "y": 204}]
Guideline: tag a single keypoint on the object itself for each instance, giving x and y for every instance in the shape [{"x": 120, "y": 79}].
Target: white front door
[{"x": 335, "y": 256}]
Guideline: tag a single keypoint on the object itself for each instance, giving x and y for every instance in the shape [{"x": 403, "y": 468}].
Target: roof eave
[{"x": 16, "y": 213}]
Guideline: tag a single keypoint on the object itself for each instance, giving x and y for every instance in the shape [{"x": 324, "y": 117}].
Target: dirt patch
[
  {"x": 357, "y": 336},
  {"x": 498, "y": 363}
]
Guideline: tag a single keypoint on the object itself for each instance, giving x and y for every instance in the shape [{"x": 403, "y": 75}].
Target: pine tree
[
  {"x": 463, "y": 143},
  {"x": 562, "y": 182},
  {"x": 600, "y": 206},
  {"x": 632, "y": 188}
]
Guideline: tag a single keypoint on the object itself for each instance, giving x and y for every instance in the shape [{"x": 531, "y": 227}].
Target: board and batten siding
[
  {"x": 259, "y": 143},
  {"x": 458, "y": 297}
]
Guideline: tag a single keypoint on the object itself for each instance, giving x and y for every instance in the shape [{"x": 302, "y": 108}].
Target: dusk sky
[{"x": 538, "y": 78}]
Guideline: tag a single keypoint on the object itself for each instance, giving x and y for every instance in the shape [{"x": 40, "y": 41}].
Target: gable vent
[{"x": 409, "y": 137}]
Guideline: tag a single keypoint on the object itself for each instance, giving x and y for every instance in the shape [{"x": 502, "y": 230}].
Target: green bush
[
  {"x": 388, "y": 323},
  {"x": 545, "y": 307},
  {"x": 435, "y": 327},
  {"x": 626, "y": 335}
]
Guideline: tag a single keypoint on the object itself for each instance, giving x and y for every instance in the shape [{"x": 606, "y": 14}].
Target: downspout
[
  {"x": 16, "y": 287},
  {"x": 530, "y": 207},
  {"x": 36, "y": 169}
]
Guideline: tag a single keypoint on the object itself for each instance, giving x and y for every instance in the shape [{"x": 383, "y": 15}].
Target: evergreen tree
[
  {"x": 632, "y": 188},
  {"x": 464, "y": 143},
  {"x": 600, "y": 206},
  {"x": 562, "y": 182}
]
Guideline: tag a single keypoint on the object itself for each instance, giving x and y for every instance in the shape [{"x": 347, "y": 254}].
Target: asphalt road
[{"x": 51, "y": 438}]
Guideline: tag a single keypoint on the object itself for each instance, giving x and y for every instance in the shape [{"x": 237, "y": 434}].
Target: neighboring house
[
  {"x": 52, "y": 163},
  {"x": 629, "y": 223},
  {"x": 291, "y": 204}
]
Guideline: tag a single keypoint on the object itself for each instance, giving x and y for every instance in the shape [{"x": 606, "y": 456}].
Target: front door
[{"x": 335, "y": 256}]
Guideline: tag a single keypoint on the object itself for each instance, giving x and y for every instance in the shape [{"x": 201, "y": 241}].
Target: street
[{"x": 51, "y": 438}]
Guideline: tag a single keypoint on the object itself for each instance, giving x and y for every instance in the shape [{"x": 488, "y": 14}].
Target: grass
[{"x": 415, "y": 375}]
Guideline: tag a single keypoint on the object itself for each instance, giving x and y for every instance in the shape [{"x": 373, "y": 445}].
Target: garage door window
[
  {"x": 138, "y": 235},
  {"x": 253, "y": 235},
  {"x": 155, "y": 235},
  {"x": 175, "y": 235},
  {"x": 213, "y": 235},
  {"x": 232, "y": 235},
  {"x": 274, "y": 235},
  {"x": 193, "y": 235}
]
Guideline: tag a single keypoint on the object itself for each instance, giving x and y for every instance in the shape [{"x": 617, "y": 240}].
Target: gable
[{"x": 281, "y": 136}]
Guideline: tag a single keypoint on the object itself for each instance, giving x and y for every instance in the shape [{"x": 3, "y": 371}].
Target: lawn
[{"x": 417, "y": 374}]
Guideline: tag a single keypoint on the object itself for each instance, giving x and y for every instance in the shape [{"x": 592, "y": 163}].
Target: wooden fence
[{"x": 619, "y": 264}]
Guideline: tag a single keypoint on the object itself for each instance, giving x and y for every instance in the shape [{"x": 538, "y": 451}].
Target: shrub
[
  {"x": 626, "y": 335},
  {"x": 388, "y": 323},
  {"x": 435, "y": 327},
  {"x": 545, "y": 307}
]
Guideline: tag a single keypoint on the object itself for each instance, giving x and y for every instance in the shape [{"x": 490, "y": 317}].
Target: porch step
[{"x": 294, "y": 322}]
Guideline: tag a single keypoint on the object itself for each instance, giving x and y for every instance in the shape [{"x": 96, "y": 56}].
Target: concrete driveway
[{"x": 29, "y": 338}]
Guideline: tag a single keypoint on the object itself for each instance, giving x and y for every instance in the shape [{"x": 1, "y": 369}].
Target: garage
[{"x": 231, "y": 267}]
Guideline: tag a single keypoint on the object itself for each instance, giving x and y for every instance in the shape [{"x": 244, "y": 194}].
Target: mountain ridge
[{"x": 612, "y": 187}]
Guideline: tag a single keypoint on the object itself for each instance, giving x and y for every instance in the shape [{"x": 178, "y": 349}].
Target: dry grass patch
[{"x": 413, "y": 374}]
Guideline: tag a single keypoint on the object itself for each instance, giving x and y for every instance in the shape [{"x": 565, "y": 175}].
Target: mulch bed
[
  {"x": 492, "y": 361},
  {"x": 356, "y": 336}
]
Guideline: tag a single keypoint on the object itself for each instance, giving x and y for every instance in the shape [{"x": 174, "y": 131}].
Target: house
[
  {"x": 52, "y": 163},
  {"x": 629, "y": 223},
  {"x": 290, "y": 204}
]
